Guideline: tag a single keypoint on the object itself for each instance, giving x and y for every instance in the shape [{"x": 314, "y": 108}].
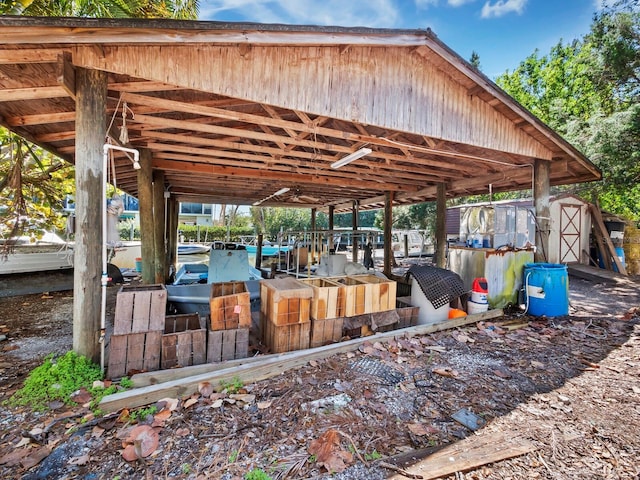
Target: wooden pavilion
[{"x": 235, "y": 113}]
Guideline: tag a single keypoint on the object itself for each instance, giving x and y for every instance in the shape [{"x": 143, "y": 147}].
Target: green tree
[
  {"x": 33, "y": 185},
  {"x": 182, "y": 9},
  {"x": 589, "y": 91},
  {"x": 475, "y": 60}
]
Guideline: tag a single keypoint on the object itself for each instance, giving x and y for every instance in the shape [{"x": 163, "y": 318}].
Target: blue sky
[{"x": 502, "y": 32}]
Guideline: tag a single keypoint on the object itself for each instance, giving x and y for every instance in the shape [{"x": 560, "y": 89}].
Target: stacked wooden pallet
[{"x": 228, "y": 337}]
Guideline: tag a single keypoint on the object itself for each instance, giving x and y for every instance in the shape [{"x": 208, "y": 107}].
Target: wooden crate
[
  {"x": 140, "y": 308},
  {"x": 133, "y": 353},
  {"x": 408, "y": 313},
  {"x": 184, "y": 342},
  {"x": 285, "y": 338},
  {"x": 230, "y": 306},
  {"x": 369, "y": 323},
  {"x": 328, "y": 298},
  {"x": 367, "y": 294},
  {"x": 326, "y": 331},
  {"x": 285, "y": 301},
  {"x": 228, "y": 345}
]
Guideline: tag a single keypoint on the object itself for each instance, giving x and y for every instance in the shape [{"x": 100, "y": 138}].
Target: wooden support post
[
  {"x": 159, "y": 228},
  {"x": 172, "y": 233},
  {"x": 259, "y": 250},
  {"x": 388, "y": 223},
  {"x": 354, "y": 237},
  {"x": 145, "y": 199},
  {"x": 603, "y": 239},
  {"x": 91, "y": 113},
  {"x": 441, "y": 232},
  {"x": 541, "y": 186},
  {"x": 405, "y": 240},
  {"x": 312, "y": 244},
  {"x": 331, "y": 213}
]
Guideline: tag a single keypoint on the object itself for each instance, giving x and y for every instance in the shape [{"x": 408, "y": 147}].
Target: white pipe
[{"x": 104, "y": 278}]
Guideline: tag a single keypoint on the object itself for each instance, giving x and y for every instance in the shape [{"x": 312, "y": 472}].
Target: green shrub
[{"x": 56, "y": 379}]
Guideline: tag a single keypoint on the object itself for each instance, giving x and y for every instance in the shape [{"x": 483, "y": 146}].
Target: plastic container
[
  {"x": 479, "y": 291},
  {"x": 456, "y": 313},
  {"x": 138, "y": 265},
  {"x": 546, "y": 289},
  {"x": 473, "y": 307}
]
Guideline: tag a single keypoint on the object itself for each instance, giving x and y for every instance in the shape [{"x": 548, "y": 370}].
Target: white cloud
[
  {"x": 458, "y": 3},
  {"x": 502, "y": 7},
  {"x": 369, "y": 13},
  {"x": 426, "y": 3}
]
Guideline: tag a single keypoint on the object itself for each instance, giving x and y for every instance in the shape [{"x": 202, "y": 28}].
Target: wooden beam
[
  {"x": 441, "y": 231},
  {"x": 541, "y": 188},
  {"x": 268, "y": 366},
  {"x": 29, "y": 55},
  {"x": 145, "y": 199},
  {"x": 90, "y": 181},
  {"x": 159, "y": 247},
  {"x": 32, "y": 93},
  {"x": 67, "y": 74},
  {"x": 388, "y": 231},
  {"x": 41, "y": 119},
  {"x": 305, "y": 178},
  {"x": 468, "y": 454}
]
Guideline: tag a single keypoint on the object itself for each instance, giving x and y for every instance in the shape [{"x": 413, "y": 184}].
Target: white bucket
[
  {"x": 478, "y": 297},
  {"x": 474, "y": 307}
]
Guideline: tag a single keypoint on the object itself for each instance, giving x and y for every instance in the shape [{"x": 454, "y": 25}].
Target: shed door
[{"x": 570, "y": 221}]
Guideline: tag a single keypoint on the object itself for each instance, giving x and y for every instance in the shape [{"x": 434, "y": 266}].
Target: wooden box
[
  {"x": 367, "y": 294},
  {"x": 328, "y": 298},
  {"x": 407, "y": 313},
  {"x": 326, "y": 331},
  {"x": 140, "y": 308},
  {"x": 228, "y": 345},
  {"x": 230, "y": 306},
  {"x": 133, "y": 353},
  {"x": 184, "y": 342},
  {"x": 285, "y": 301},
  {"x": 285, "y": 338}
]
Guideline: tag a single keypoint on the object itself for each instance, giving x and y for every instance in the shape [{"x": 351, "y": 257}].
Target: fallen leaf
[
  {"x": 35, "y": 457},
  {"x": 190, "y": 402},
  {"x": 168, "y": 403},
  {"x": 264, "y": 405},
  {"x": 96, "y": 432},
  {"x": 183, "y": 432},
  {"x": 446, "y": 372},
  {"x": 328, "y": 452},
  {"x": 81, "y": 460},
  {"x": 421, "y": 429},
  {"x": 146, "y": 437},
  {"x": 205, "y": 389},
  {"x": 162, "y": 416},
  {"x": 243, "y": 397},
  {"x": 14, "y": 457}
]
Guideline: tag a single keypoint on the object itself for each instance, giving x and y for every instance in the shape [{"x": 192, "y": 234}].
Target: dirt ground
[{"x": 568, "y": 388}]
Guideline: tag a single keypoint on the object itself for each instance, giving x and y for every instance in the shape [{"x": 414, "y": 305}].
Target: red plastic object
[{"x": 480, "y": 285}]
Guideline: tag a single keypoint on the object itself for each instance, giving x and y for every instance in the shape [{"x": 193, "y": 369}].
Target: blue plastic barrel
[{"x": 546, "y": 289}]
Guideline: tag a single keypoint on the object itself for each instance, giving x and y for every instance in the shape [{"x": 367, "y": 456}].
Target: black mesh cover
[{"x": 440, "y": 286}]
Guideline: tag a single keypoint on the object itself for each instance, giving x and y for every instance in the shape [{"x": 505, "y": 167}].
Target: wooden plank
[
  {"x": 608, "y": 251},
  {"x": 198, "y": 346},
  {"x": 267, "y": 366},
  {"x": 141, "y": 310},
  {"x": 169, "y": 357},
  {"x": 468, "y": 454},
  {"x": 117, "y": 366},
  {"x": 152, "y": 348},
  {"x": 123, "y": 315},
  {"x": 228, "y": 344}
]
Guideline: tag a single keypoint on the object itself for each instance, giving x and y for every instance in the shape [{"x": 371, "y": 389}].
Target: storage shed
[{"x": 570, "y": 226}]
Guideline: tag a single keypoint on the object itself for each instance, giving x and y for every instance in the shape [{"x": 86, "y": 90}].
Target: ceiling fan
[{"x": 297, "y": 197}]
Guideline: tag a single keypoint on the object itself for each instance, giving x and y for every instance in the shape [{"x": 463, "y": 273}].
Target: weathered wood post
[
  {"x": 91, "y": 128},
  {"x": 441, "y": 232},
  {"x": 145, "y": 200},
  {"x": 313, "y": 243},
  {"x": 541, "y": 187},
  {"x": 330, "y": 245},
  {"x": 159, "y": 228},
  {"x": 388, "y": 223},
  {"x": 172, "y": 233},
  {"x": 354, "y": 226}
]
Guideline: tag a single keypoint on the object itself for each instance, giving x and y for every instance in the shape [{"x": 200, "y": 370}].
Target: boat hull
[{"x": 38, "y": 258}]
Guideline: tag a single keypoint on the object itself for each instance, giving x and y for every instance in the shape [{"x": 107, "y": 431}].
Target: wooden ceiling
[{"x": 232, "y": 113}]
